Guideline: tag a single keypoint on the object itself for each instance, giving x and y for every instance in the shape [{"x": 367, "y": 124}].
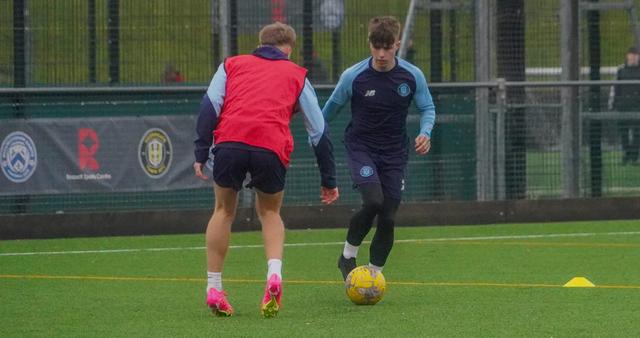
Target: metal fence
[
  {"x": 525, "y": 151},
  {"x": 528, "y": 136},
  {"x": 114, "y": 42}
]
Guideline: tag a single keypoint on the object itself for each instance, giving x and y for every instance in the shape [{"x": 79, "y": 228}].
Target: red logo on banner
[{"x": 88, "y": 144}]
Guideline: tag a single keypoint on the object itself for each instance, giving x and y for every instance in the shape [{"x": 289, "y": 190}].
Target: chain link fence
[
  {"x": 448, "y": 173},
  {"x": 113, "y": 42},
  {"x": 169, "y": 50}
]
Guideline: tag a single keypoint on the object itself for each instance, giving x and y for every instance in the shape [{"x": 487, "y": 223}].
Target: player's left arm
[
  {"x": 210, "y": 109},
  {"x": 318, "y": 132},
  {"x": 427, "y": 110}
]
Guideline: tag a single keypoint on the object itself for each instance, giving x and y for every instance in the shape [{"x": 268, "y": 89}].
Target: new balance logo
[{"x": 370, "y": 92}]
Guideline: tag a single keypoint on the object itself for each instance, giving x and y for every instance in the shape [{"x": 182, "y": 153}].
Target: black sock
[
  {"x": 361, "y": 222},
  {"x": 383, "y": 238}
]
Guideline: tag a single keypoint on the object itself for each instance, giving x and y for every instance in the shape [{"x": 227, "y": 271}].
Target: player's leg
[
  {"x": 268, "y": 210},
  {"x": 217, "y": 238},
  {"x": 391, "y": 171},
  {"x": 268, "y": 177},
  {"x": 219, "y": 227},
  {"x": 228, "y": 172},
  {"x": 365, "y": 178},
  {"x": 383, "y": 238},
  {"x": 362, "y": 221},
  {"x": 360, "y": 225}
]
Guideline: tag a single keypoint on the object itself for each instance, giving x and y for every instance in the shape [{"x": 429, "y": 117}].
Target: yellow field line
[
  {"x": 313, "y": 282},
  {"x": 550, "y": 244}
]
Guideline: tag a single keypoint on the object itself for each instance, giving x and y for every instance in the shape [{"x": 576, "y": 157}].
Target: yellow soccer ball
[{"x": 365, "y": 286}]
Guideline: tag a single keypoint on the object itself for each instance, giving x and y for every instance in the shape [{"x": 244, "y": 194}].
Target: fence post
[
  {"x": 307, "y": 34},
  {"x": 113, "y": 28},
  {"x": 233, "y": 27},
  {"x": 19, "y": 43},
  {"x": 453, "y": 59},
  {"x": 484, "y": 151},
  {"x": 500, "y": 137},
  {"x": 215, "y": 34},
  {"x": 510, "y": 53},
  {"x": 224, "y": 29},
  {"x": 595, "y": 126},
  {"x": 406, "y": 31},
  {"x": 570, "y": 127},
  {"x": 92, "y": 37}
]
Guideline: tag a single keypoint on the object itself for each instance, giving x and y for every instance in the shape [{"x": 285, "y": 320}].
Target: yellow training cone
[{"x": 579, "y": 282}]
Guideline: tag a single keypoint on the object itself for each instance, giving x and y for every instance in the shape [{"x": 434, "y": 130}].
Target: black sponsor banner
[{"x": 75, "y": 155}]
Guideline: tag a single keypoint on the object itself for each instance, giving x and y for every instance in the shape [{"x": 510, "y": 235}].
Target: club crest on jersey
[
  {"x": 19, "y": 157},
  {"x": 404, "y": 90},
  {"x": 366, "y": 171}
]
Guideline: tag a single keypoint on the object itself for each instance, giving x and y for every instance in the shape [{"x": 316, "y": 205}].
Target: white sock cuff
[
  {"x": 375, "y": 267},
  {"x": 350, "y": 251},
  {"x": 274, "y": 265},
  {"x": 214, "y": 280}
]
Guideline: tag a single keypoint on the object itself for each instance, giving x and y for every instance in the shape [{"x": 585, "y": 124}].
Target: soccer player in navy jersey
[
  {"x": 380, "y": 90},
  {"x": 246, "y": 111}
]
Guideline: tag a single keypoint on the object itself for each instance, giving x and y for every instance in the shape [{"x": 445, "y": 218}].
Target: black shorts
[
  {"x": 231, "y": 165},
  {"x": 388, "y": 170}
]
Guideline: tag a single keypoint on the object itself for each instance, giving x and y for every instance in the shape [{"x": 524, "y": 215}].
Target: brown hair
[
  {"x": 384, "y": 31},
  {"x": 277, "y": 34}
]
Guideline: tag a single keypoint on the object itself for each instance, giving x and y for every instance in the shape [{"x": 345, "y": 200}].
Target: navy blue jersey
[{"x": 380, "y": 102}]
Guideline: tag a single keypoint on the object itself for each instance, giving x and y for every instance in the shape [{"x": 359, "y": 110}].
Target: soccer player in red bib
[{"x": 246, "y": 113}]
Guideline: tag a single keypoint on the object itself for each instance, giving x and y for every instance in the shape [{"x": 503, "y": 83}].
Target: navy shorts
[
  {"x": 387, "y": 169},
  {"x": 231, "y": 165}
]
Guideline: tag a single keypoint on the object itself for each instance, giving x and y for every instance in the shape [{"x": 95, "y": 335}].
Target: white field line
[{"x": 443, "y": 239}]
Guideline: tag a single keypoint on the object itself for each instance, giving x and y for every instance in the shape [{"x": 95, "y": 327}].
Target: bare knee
[
  {"x": 268, "y": 205},
  {"x": 264, "y": 213},
  {"x": 225, "y": 212}
]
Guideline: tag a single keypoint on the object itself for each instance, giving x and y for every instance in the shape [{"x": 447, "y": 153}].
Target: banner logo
[
  {"x": 155, "y": 153},
  {"x": 88, "y": 145},
  {"x": 18, "y": 157}
]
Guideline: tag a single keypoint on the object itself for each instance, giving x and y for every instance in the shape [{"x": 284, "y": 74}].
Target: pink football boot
[
  {"x": 272, "y": 297},
  {"x": 218, "y": 303}
]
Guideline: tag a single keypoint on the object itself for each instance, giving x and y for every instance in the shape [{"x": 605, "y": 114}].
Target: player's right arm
[
  {"x": 340, "y": 96},
  {"x": 318, "y": 132},
  {"x": 210, "y": 108}
]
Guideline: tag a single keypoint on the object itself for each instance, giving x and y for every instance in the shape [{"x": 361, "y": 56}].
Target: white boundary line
[{"x": 443, "y": 239}]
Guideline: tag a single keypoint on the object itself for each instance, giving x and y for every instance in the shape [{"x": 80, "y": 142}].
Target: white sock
[
  {"x": 274, "y": 266},
  {"x": 350, "y": 251},
  {"x": 214, "y": 280},
  {"x": 375, "y": 267}
]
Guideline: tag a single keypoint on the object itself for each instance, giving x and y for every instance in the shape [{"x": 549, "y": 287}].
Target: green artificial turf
[{"x": 474, "y": 284}]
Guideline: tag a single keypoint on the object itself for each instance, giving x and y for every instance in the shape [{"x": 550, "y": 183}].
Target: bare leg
[
  {"x": 219, "y": 227},
  {"x": 268, "y": 209}
]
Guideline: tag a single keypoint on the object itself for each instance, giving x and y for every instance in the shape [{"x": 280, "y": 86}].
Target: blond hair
[{"x": 277, "y": 34}]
